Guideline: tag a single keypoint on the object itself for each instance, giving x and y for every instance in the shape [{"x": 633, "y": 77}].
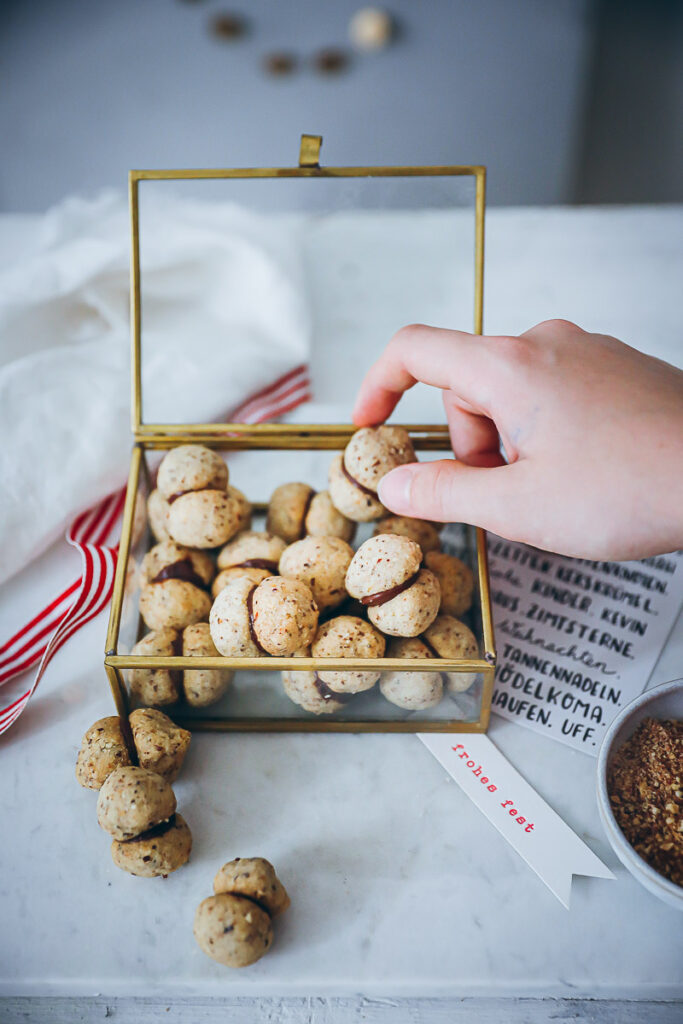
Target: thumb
[{"x": 452, "y": 492}]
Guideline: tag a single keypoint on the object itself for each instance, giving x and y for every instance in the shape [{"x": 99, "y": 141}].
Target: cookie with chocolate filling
[
  {"x": 320, "y": 563},
  {"x": 412, "y": 691},
  {"x": 174, "y": 584},
  {"x": 253, "y": 554},
  {"x": 230, "y": 620},
  {"x": 350, "y": 498},
  {"x": 456, "y": 582},
  {"x": 283, "y": 615},
  {"x": 373, "y": 452},
  {"x": 155, "y": 687},
  {"x": 324, "y": 520},
  {"x": 203, "y": 686},
  {"x": 103, "y": 748},
  {"x": 448, "y": 637},
  {"x": 385, "y": 575},
  {"x": 348, "y": 637},
  {"x": 370, "y": 454},
  {"x": 233, "y": 930},
  {"x": 287, "y": 510},
  {"x": 161, "y": 744},
  {"x": 191, "y": 467},
  {"x": 205, "y": 519},
  {"x": 255, "y": 878},
  {"x": 157, "y": 852},
  {"x": 309, "y": 691},
  {"x": 133, "y": 800},
  {"x": 423, "y": 533}
]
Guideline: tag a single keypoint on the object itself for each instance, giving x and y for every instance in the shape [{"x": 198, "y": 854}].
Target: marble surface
[{"x": 399, "y": 886}]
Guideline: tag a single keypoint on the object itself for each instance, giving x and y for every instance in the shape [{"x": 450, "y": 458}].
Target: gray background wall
[{"x": 565, "y": 100}]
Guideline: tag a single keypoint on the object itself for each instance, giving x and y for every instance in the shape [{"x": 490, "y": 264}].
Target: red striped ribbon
[{"x": 91, "y": 534}]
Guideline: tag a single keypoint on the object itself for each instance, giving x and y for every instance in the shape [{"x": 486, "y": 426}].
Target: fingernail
[{"x": 394, "y": 488}]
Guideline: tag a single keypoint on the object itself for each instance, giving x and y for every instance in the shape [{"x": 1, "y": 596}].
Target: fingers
[
  {"x": 450, "y": 492},
  {"x": 444, "y": 359},
  {"x": 474, "y": 437}
]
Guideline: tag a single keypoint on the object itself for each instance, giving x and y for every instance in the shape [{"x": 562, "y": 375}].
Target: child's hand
[{"x": 592, "y": 431}]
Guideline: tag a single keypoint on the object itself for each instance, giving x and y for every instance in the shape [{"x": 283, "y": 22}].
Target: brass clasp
[{"x": 309, "y": 152}]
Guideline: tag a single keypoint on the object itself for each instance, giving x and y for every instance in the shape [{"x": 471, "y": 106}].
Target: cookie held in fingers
[
  {"x": 348, "y": 637},
  {"x": 255, "y": 878},
  {"x": 283, "y": 616},
  {"x": 103, "y": 748},
  {"x": 320, "y": 563},
  {"x": 160, "y": 743},
  {"x": 456, "y": 582},
  {"x": 307, "y": 689},
  {"x": 287, "y": 511},
  {"x": 423, "y": 533},
  {"x": 133, "y": 800},
  {"x": 385, "y": 575},
  {"x": 324, "y": 520},
  {"x": 155, "y": 687},
  {"x": 450, "y": 638},
  {"x": 232, "y": 930},
  {"x": 157, "y": 852},
  {"x": 357, "y": 503},
  {"x": 191, "y": 467},
  {"x": 203, "y": 686},
  {"x": 412, "y": 691},
  {"x": 373, "y": 452}
]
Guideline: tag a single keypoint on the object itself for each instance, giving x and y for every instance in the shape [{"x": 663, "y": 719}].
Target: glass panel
[
  {"x": 258, "y": 695},
  {"x": 242, "y": 280}
]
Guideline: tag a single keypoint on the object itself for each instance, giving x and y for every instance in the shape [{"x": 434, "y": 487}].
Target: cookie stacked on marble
[
  {"x": 132, "y": 762},
  {"x": 235, "y": 925},
  {"x": 213, "y": 586}
]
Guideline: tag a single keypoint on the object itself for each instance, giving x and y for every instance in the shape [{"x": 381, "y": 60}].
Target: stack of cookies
[
  {"x": 132, "y": 763},
  {"x": 213, "y": 586}
]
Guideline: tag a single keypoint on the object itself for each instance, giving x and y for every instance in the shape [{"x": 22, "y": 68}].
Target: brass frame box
[{"x": 235, "y": 436}]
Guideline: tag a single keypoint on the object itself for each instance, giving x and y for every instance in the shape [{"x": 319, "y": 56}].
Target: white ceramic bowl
[{"x": 665, "y": 701}]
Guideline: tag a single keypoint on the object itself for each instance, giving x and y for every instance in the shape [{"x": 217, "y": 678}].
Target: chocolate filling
[
  {"x": 252, "y": 631},
  {"x": 180, "y": 570},
  {"x": 382, "y": 596},
  {"x": 256, "y": 563},
  {"x": 327, "y": 694},
  {"x": 157, "y": 830},
  {"x": 306, "y": 510},
  {"x": 191, "y": 490},
  {"x": 361, "y": 487}
]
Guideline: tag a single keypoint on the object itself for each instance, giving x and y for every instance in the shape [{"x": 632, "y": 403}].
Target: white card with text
[
  {"x": 576, "y": 640},
  {"x": 523, "y": 817}
]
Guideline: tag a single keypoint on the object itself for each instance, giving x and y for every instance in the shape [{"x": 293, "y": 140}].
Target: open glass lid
[{"x": 243, "y": 277}]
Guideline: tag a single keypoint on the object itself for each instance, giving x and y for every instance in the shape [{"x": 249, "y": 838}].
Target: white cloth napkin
[{"x": 224, "y": 311}]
